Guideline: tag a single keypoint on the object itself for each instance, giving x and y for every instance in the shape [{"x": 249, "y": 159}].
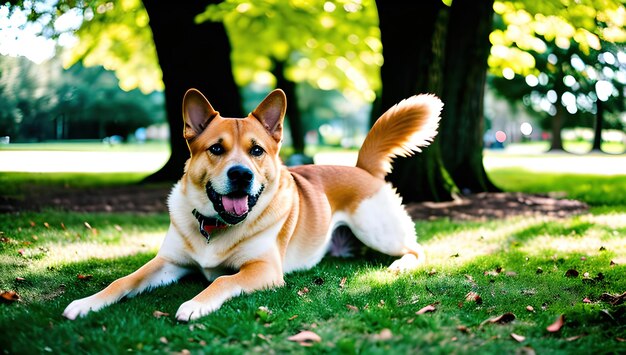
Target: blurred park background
[{"x": 96, "y": 86}]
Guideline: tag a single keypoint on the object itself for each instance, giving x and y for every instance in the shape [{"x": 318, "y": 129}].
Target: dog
[{"x": 237, "y": 207}]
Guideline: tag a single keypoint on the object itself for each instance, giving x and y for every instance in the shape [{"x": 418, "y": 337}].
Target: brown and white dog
[{"x": 237, "y": 207}]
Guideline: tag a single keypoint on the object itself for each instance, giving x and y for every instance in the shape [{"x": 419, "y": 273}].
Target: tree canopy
[{"x": 330, "y": 45}]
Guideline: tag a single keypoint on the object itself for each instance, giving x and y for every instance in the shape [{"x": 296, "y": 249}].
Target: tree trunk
[
  {"x": 597, "y": 134},
  {"x": 465, "y": 71},
  {"x": 556, "y": 142},
  {"x": 191, "y": 56},
  {"x": 294, "y": 118},
  {"x": 413, "y": 38}
]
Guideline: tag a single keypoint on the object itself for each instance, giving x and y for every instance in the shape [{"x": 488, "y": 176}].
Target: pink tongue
[{"x": 235, "y": 205}]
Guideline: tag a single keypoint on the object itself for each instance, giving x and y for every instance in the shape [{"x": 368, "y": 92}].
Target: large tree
[
  {"x": 190, "y": 55},
  {"x": 464, "y": 79},
  {"x": 413, "y": 43},
  {"x": 430, "y": 47}
]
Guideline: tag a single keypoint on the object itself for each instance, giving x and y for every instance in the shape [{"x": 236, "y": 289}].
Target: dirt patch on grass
[
  {"x": 153, "y": 199},
  {"x": 493, "y": 205}
]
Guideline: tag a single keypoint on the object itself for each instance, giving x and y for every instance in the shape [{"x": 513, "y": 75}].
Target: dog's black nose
[{"x": 240, "y": 176}]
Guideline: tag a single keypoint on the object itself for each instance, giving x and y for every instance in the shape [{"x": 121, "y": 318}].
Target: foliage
[
  {"x": 116, "y": 35},
  {"x": 561, "y": 53},
  {"x": 113, "y": 34},
  {"x": 330, "y": 45},
  {"x": 47, "y": 102}
]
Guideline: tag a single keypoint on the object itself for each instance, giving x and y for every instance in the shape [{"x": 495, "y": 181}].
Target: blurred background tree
[
  {"x": 46, "y": 102},
  {"x": 562, "y": 59}
]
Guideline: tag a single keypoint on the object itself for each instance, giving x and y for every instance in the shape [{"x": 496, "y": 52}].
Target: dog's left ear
[
  {"x": 197, "y": 113},
  {"x": 271, "y": 112}
]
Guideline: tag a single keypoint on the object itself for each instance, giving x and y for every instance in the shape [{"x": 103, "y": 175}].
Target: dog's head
[{"x": 233, "y": 160}]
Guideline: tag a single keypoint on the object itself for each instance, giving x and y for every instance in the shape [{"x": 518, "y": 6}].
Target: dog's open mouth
[{"x": 233, "y": 207}]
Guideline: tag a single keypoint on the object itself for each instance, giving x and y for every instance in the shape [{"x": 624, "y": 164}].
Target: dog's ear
[
  {"x": 271, "y": 112},
  {"x": 197, "y": 113}
]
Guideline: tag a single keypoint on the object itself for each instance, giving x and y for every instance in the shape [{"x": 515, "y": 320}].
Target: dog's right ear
[{"x": 197, "y": 113}]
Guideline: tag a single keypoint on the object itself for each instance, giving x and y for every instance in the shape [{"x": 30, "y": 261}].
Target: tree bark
[
  {"x": 413, "y": 38},
  {"x": 294, "y": 118},
  {"x": 191, "y": 56},
  {"x": 465, "y": 71},
  {"x": 597, "y": 134},
  {"x": 556, "y": 143}
]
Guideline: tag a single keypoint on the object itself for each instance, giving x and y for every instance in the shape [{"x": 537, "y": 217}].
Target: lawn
[{"x": 532, "y": 270}]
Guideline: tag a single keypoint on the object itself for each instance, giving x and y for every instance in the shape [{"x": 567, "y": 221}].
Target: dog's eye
[
  {"x": 216, "y": 149},
  {"x": 256, "y": 151}
]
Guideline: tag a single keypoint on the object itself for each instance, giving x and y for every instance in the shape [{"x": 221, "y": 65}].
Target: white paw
[
  {"x": 192, "y": 310},
  {"x": 80, "y": 308},
  {"x": 406, "y": 263}
]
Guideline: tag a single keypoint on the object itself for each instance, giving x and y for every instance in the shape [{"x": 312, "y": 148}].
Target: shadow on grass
[
  {"x": 511, "y": 264},
  {"x": 347, "y": 302}
]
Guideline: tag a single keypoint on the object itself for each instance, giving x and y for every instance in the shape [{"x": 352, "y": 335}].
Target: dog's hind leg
[{"x": 382, "y": 223}]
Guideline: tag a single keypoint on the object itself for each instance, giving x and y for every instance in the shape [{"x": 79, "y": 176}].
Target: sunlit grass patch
[{"x": 596, "y": 190}]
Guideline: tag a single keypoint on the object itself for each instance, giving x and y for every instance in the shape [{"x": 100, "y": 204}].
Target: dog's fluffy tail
[{"x": 400, "y": 131}]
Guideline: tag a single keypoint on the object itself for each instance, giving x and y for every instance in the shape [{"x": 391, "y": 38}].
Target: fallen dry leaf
[
  {"x": 21, "y": 251},
  {"x": 586, "y": 300},
  {"x": 613, "y": 300},
  {"x": 429, "y": 308},
  {"x": 518, "y": 338},
  {"x": 63, "y": 226},
  {"x": 502, "y": 319},
  {"x": 342, "y": 283},
  {"x": 87, "y": 225},
  {"x": 159, "y": 314},
  {"x": 530, "y": 308},
  {"x": 9, "y": 297},
  {"x": 352, "y": 308},
  {"x": 526, "y": 350},
  {"x": 305, "y": 338},
  {"x": 557, "y": 325},
  {"x": 84, "y": 277},
  {"x": 303, "y": 291},
  {"x": 293, "y": 317},
  {"x": 384, "y": 334},
  {"x": 163, "y": 340},
  {"x": 621, "y": 340},
  {"x": 118, "y": 227},
  {"x": 46, "y": 224},
  {"x": 473, "y": 297},
  {"x": 462, "y": 329},
  {"x": 20, "y": 279},
  {"x": 575, "y": 337},
  {"x": 32, "y": 223}
]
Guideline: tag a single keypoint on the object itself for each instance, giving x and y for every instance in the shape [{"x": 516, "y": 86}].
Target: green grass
[
  {"x": 596, "y": 190},
  {"x": 497, "y": 259}
]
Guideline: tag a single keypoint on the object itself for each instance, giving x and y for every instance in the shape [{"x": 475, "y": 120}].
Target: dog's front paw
[
  {"x": 406, "y": 263},
  {"x": 80, "y": 308},
  {"x": 192, "y": 310}
]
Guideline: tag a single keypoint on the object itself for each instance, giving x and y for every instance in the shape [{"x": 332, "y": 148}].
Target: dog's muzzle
[{"x": 234, "y": 206}]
